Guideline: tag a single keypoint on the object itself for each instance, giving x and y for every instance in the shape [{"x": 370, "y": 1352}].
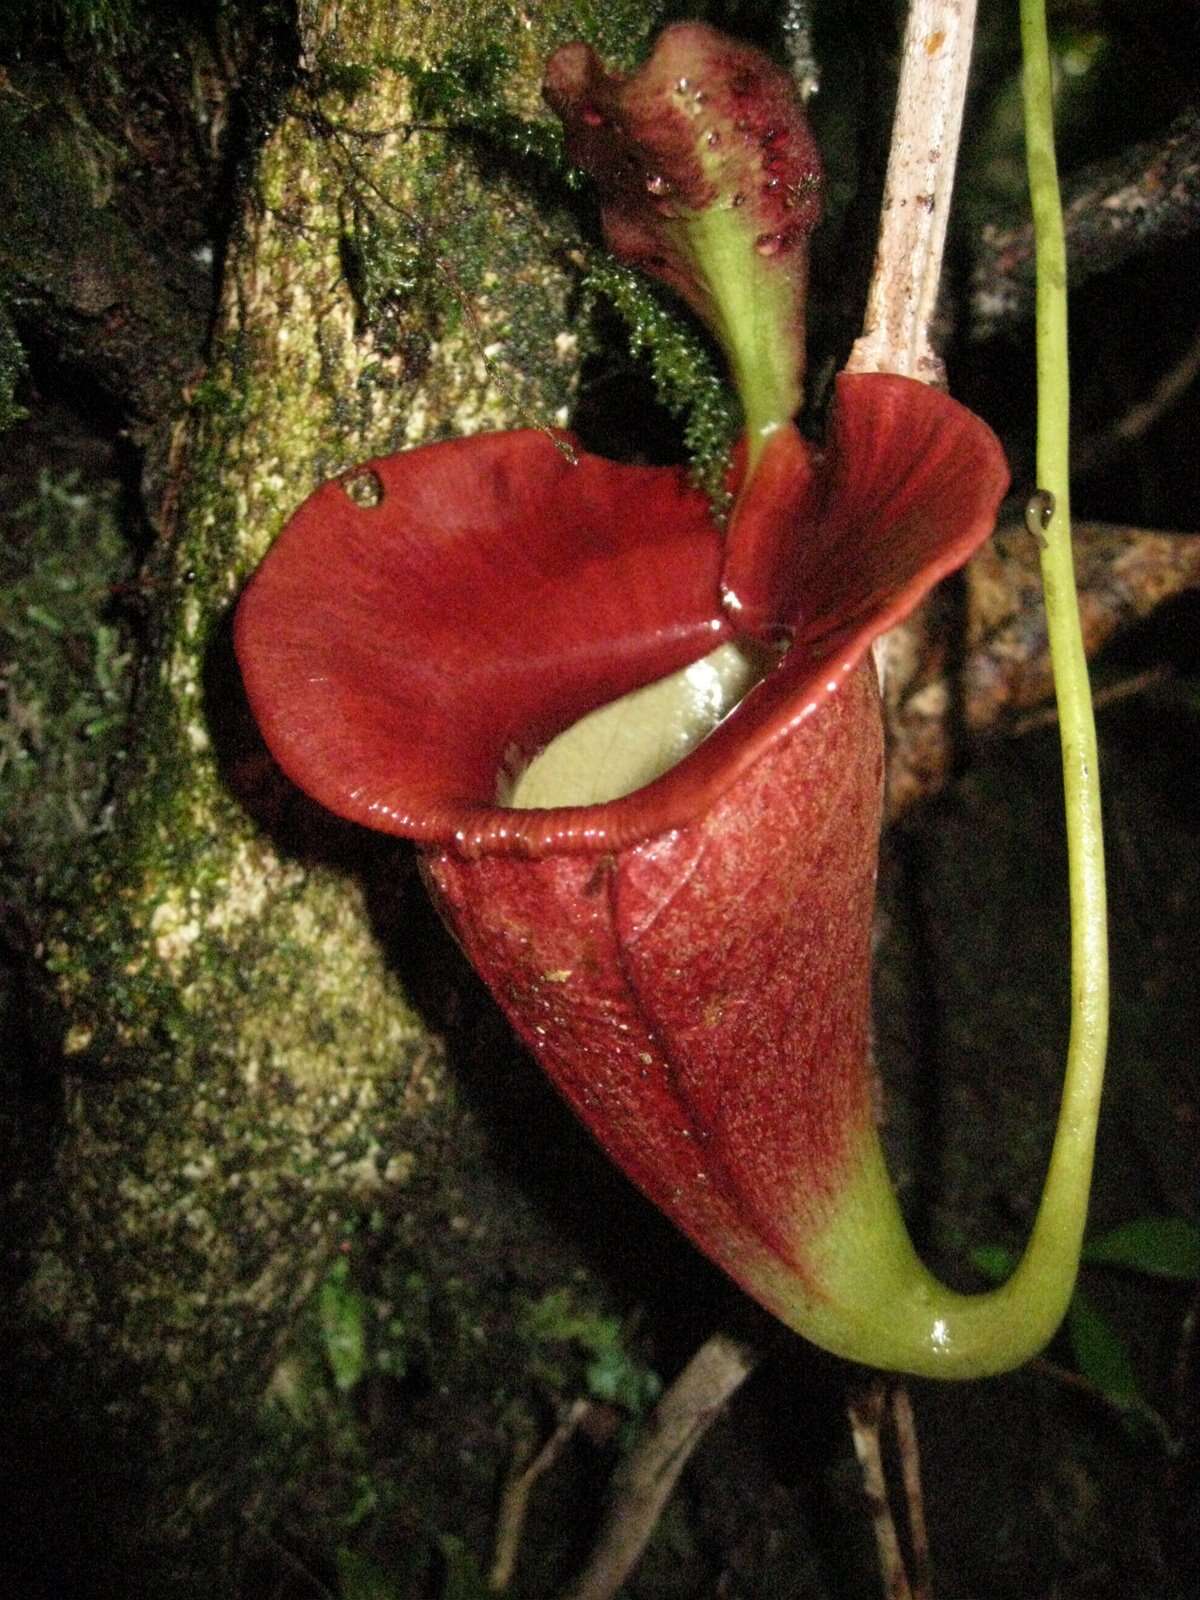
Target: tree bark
[
  {"x": 244, "y": 1065},
  {"x": 1113, "y": 210}
]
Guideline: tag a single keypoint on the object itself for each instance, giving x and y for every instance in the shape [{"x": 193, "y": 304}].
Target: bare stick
[
  {"x": 1142, "y": 416},
  {"x": 916, "y": 197},
  {"x": 644, "y": 1481},
  {"x": 1116, "y": 209},
  {"x": 514, "y": 1502},
  {"x": 910, "y": 1471},
  {"x": 866, "y": 1412}
]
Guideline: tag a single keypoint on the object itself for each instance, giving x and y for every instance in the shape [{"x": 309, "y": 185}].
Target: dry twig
[
  {"x": 514, "y": 1501},
  {"x": 916, "y": 195},
  {"x": 1141, "y": 417},
  {"x": 643, "y": 1483},
  {"x": 869, "y": 1412},
  {"x": 938, "y": 697},
  {"x": 866, "y": 1412},
  {"x": 910, "y": 1469},
  {"x": 1113, "y": 210}
]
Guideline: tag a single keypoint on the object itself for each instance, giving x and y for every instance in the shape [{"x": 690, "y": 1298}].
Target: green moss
[
  {"x": 216, "y": 395},
  {"x": 411, "y": 276},
  {"x": 65, "y": 679},
  {"x": 458, "y": 85},
  {"x": 420, "y": 1337},
  {"x": 12, "y": 370},
  {"x": 416, "y": 266},
  {"x": 620, "y": 31},
  {"x": 685, "y": 371},
  {"x": 195, "y": 938},
  {"x": 345, "y": 80}
]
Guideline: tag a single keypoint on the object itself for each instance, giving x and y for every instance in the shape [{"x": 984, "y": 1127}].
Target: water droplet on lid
[
  {"x": 768, "y": 244},
  {"x": 364, "y": 487},
  {"x": 657, "y": 184},
  {"x": 771, "y": 185},
  {"x": 738, "y": 199},
  {"x": 683, "y": 84},
  {"x": 713, "y": 139}
]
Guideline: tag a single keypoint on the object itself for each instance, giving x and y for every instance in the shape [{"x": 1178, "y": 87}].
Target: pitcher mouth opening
[{"x": 631, "y": 741}]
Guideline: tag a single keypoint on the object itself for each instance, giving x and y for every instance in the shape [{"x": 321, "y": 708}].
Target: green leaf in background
[
  {"x": 1102, "y": 1358},
  {"x": 342, "y": 1314},
  {"x": 359, "y": 1578},
  {"x": 616, "y": 1378},
  {"x": 1100, "y": 1353},
  {"x": 1166, "y": 1247},
  {"x": 463, "y": 1581},
  {"x": 993, "y": 1261},
  {"x": 614, "y": 1373}
]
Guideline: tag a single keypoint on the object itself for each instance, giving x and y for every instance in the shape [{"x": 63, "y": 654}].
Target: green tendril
[{"x": 1063, "y": 1211}]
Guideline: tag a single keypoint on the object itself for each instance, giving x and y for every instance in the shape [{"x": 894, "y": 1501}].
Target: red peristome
[
  {"x": 401, "y": 658},
  {"x": 705, "y": 123}
]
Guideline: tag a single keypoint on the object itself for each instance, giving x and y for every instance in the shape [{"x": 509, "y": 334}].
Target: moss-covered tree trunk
[{"x": 244, "y": 1064}]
